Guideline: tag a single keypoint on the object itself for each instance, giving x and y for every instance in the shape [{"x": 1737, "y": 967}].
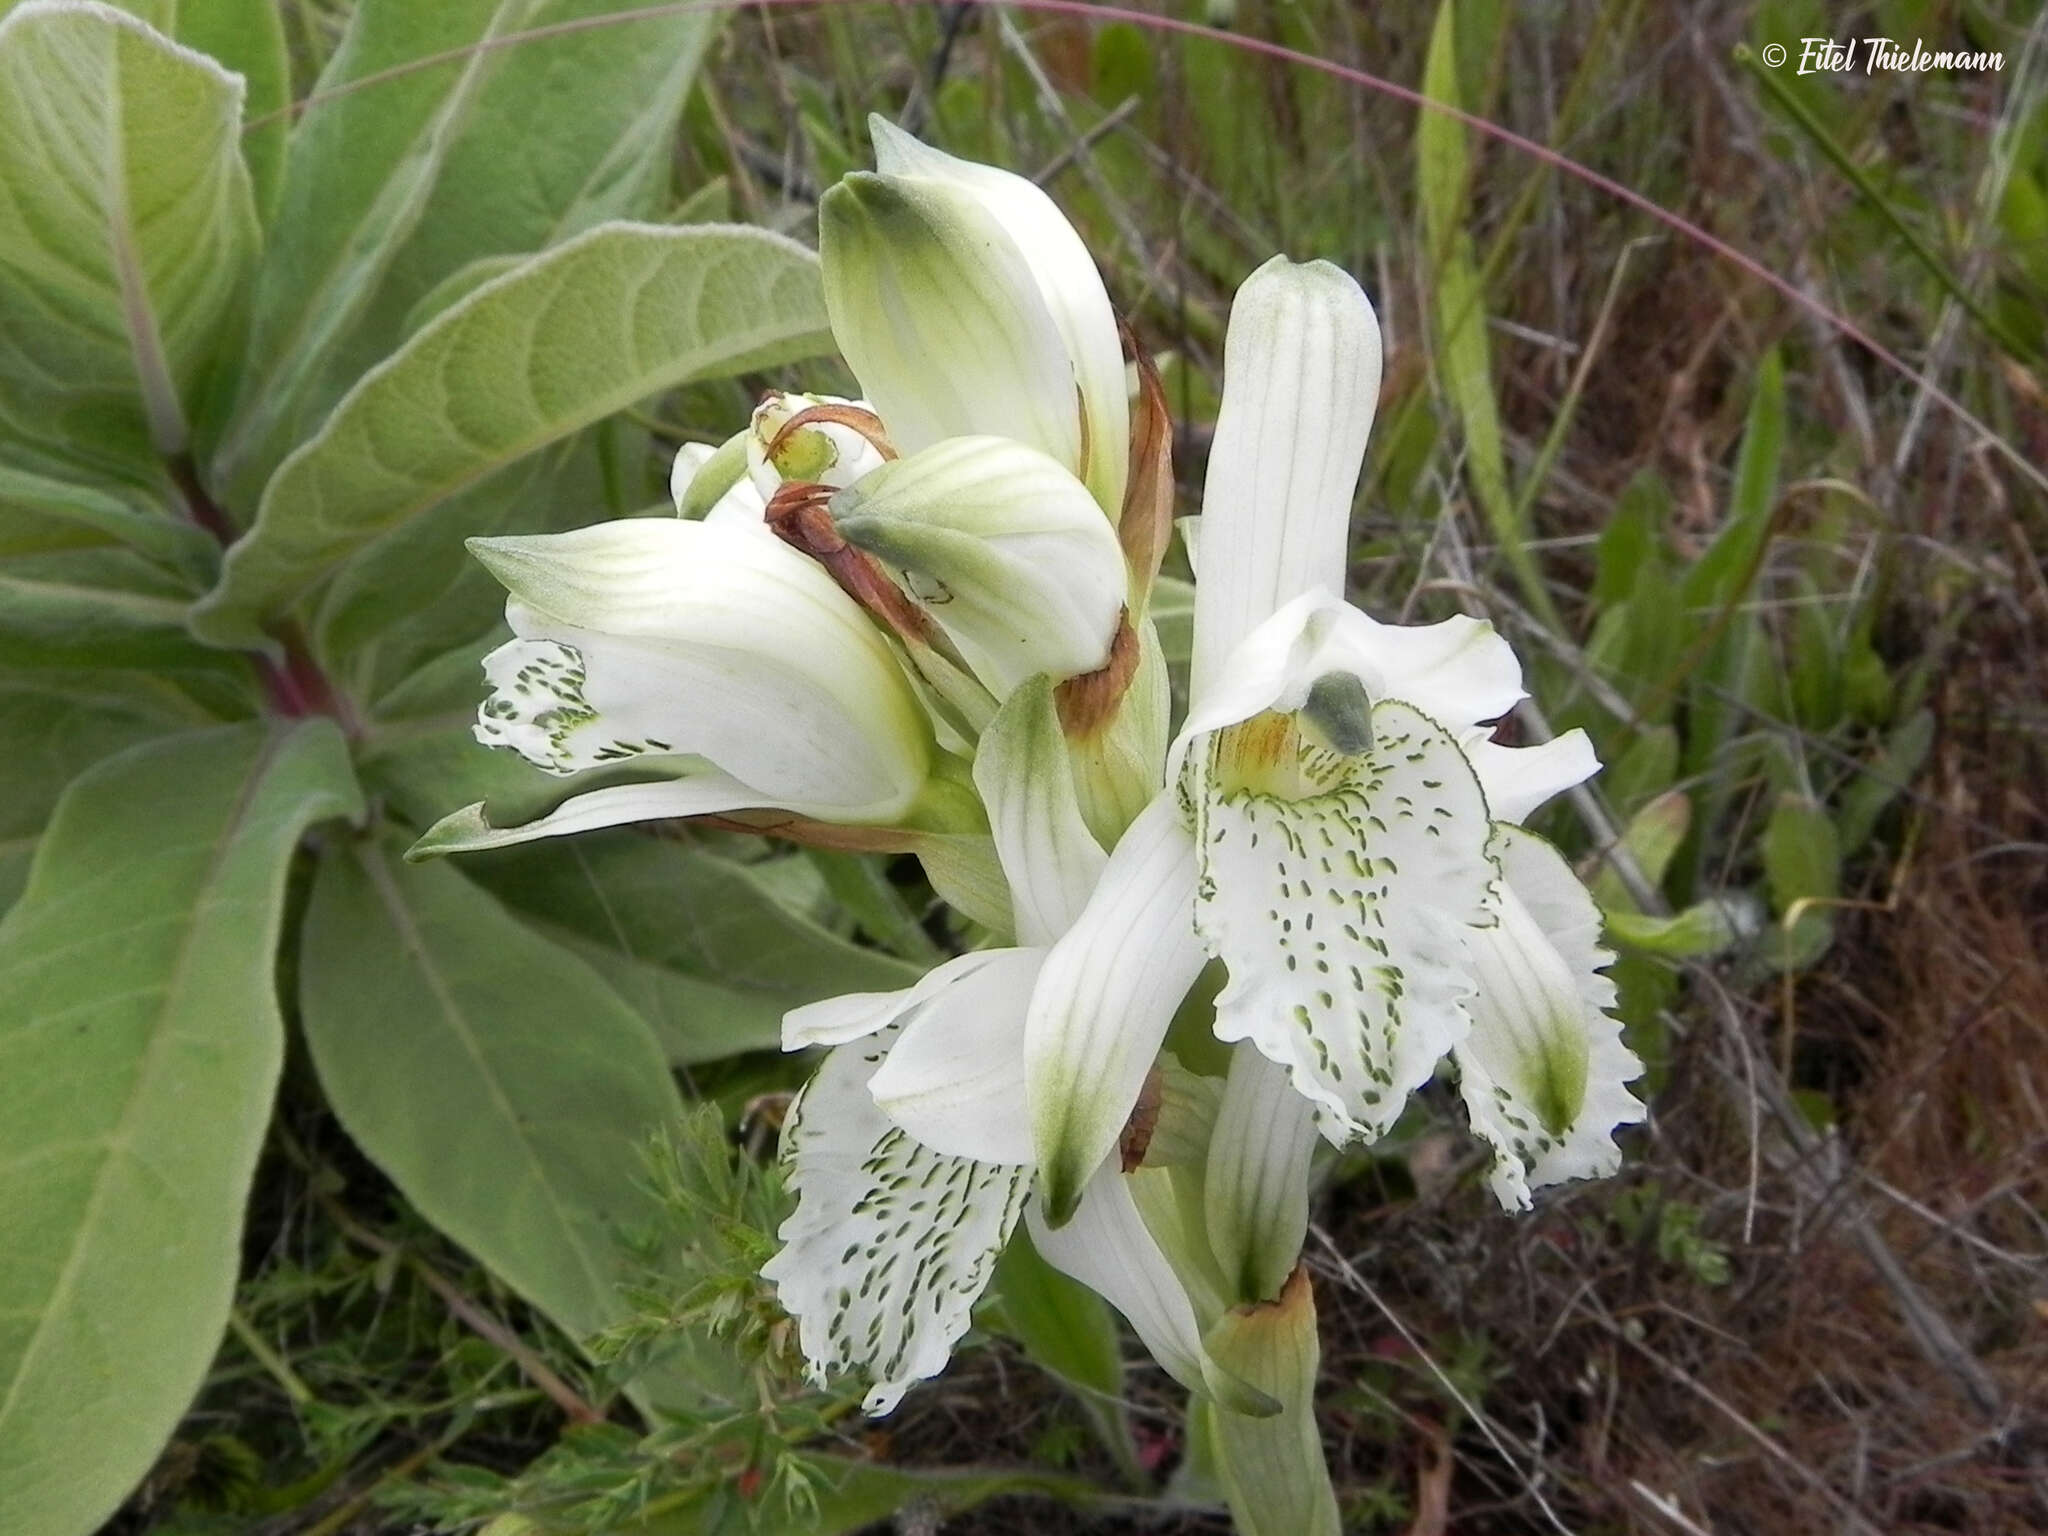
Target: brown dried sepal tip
[
  {"x": 1146, "y": 525},
  {"x": 1296, "y": 1292},
  {"x": 1136, "y": 1139},
  {"x": 1088, "y": 702},
  {"x": 800, "y": 514}
]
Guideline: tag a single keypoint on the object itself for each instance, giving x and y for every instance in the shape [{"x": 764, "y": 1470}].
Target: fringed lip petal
[
  {"x": 1301, "y": 379},
  {"x": 891, "y": 1243},
  {"x": 1339, "y": 918},
  {"x": 1109, "y": 989},
  {"x": 1544, "y": 1071}
]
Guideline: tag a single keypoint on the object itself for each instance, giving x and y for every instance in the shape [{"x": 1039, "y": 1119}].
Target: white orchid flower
[
  {"x": 727, "y": 664},
  {"x": 910, "y": 1150},
  {"x": 1332, "y": 806},
  {"x": 966, "y": 305}
]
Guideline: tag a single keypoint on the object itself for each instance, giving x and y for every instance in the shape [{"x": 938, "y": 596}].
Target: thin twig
[
  {"x": 1471, "y": 1409},
  {"x": 469, "y": 1313}
]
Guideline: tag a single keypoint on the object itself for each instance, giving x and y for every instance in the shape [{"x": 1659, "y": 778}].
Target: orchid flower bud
[
  {"x": 830, "y": 445},
  {"x": 791, "y": 438},
  {"x": 967, "y": 305}
]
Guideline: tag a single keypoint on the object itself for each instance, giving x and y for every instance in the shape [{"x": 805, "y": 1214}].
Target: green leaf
[
  {"x": 860, "y": 883},
  {"x": 57, "y": 725},
  {"x": 459, "y": 284},
  {"x": 129, "y": 234},
  {"x": 561, "y": 341},
  {"x": 1465, "y": 359},
  {"x": 1704, "y": 928},
  {"x": 96, "y": 608},
  {"x": 1802, "y": 859},
  {"x": 1063, "y": 1326},
  {"x": 419, "y": 585},
  {"x": 494, "y": 1077},
  {"x": 140, "y": 1042},
  {"x": 40, "y": 514},
  {"x": 1888, "y": 774},
  {"x": 1067, "y": 1329},
  {"x": 1725, "y": 572},
  {"x": 1652, "y": 839},
  {"x": 1643, "y": 771},
  {"x": 247, "y": 36},
  {"x": 404, "y": 171},
  {"x": 1803, "y": 866},
  {"x": 673, "y": 908},
  {"x": 1629, "y": 554}
]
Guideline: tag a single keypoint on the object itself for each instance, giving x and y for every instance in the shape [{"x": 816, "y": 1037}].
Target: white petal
[
  {"x": 1518, "y": 780},
  {"x": 1051, "y": 859},
  {"x": 742, "y": 506},
  {"x": 1459, "y": 671},
  {"x": 1339, "y": 917},
  {"x": 707, "y": 794},
  {"x": 1544, "y": 1070},
  {"x": 1109, "y": 1249},
  {"x": 1002, "y": 548},
  {"x": 837, "y": 1020},
  {"x": 1067, "y": 280},
  {"x": 1108, "y": 991},
  {"x": 891, "y": 1243},
  {"x": 936, "y": 311},
  {"x": 1301, "y": 380},
  {"x": 662, "y": 635},
  {"x": 955, "y": 1078}
]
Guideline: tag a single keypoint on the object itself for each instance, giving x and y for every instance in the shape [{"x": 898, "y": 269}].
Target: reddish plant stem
[{"x": 294, "y": 686}]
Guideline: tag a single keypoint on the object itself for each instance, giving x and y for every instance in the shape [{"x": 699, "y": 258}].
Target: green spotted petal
[
  {"x": 1340, "y": 917},
  {"x": 1544, "y": 1071},
  {"x": 891, "y": 1243}
]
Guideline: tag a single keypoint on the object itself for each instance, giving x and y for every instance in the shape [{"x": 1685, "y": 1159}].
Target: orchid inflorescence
[{"x": 918, "y": 621}]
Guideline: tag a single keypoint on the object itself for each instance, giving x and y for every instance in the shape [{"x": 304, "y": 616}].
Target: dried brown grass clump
[{"x": 1883, "y": 1363}]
